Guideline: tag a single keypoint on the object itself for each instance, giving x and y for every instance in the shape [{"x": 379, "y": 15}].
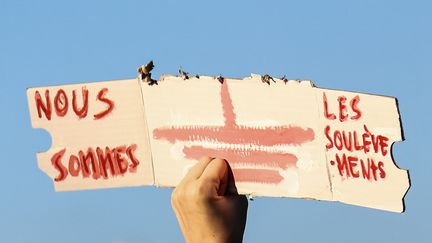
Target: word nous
[{"x": 61, "y": 103}]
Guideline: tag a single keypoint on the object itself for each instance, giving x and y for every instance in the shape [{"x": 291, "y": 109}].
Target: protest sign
[{"x": 287, "y": 139}]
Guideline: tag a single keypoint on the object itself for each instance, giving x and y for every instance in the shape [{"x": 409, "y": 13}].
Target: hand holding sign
[
  {"x": 288, "y": 139},
  {"x": 205, "y": 208}
]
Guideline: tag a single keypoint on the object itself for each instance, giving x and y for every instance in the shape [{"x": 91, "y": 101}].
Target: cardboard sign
[
  {"x": 99, "y": 134},
  {"x": 287, "y": 139}
]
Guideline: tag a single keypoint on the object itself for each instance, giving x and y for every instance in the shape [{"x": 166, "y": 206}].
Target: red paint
[
  {"x": 244, "y": 156},
  {"x": 236, "y": 134},
  {"x": 232, "y": 133},
  {"x": 351, "y": 141},
  {"x": 379, "y": 142},
  {"x": 41, "y": 106},
  {"x": 87, "y": 160},
  {"x": 381, "y": 169},
  {"x": 352, "y": 161},
  {"x": 56, "y": 162},
  {"x": 342, "y": 165},
  {"x": 61, "y": 102},
  {"x": 130, "y": 151},
  {"x": 366, "y": 141},
  {"x": 121, "y": 161},
  {"x": 106, "y": 161},
  {"x": 338, "y": 140},
  {"x": 328, "y": 115},
  {"x": 354, "y": 105},
  {"x": 357, "y": 145},
  {"x": 264, "y": 176},
  {"x": 80, "y": 112},
  {"x": 370, "y": 168},
  {"x": 74, "y": 165},
  {"x": 272, "y": 135},
  {"x": 353, "y": 167},
  {"x": 383, "y": 144},
  {"x": 347, "y": 140},
  {"x": 347, "y": 164},
  {"x": 97, "y": 162},
  {"x": 110, "y": 103},
  {"x": 354, "y": 112},
  {"x": 228, "y": 108},
  {"x": 366, "y": 171},
  {"x": 343, "y": 116},
  {"x": 330, "y": 144}
]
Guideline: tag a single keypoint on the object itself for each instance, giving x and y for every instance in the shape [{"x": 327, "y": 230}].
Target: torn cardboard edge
[{"x": 135, "y": 143}]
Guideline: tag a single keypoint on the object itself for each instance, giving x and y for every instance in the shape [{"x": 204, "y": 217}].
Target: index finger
[{"x": 196, "y": 171}]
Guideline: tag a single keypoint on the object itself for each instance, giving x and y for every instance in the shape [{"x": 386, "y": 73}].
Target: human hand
[{"x": 207, "y": 206}]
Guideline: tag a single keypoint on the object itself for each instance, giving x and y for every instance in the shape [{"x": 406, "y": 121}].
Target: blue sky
[{"x": 379, "y": 47}]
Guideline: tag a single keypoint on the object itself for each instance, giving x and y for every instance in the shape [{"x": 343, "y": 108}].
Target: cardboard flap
[
  {"x": 360, "y": 130},
  {"x": 99, "y": 134}
]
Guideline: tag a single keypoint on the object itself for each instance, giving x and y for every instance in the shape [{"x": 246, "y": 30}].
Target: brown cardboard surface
[{"x": 287, "y": 139}]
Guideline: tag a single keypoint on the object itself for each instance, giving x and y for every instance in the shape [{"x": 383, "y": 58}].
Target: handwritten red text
[
  {"x": 97, "y": 163},
  {"x": 61, "y": 104},
  {"x": 347, "y": 141}
]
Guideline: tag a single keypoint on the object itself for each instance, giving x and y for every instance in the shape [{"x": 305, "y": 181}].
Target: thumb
[{"x": 216, "y": 173}]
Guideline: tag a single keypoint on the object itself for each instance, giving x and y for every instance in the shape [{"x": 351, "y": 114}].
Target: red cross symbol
[{"x": 242, "y": 146}]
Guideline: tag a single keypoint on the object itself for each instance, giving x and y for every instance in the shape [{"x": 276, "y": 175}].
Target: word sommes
[{"x": 96, "y": 162}]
